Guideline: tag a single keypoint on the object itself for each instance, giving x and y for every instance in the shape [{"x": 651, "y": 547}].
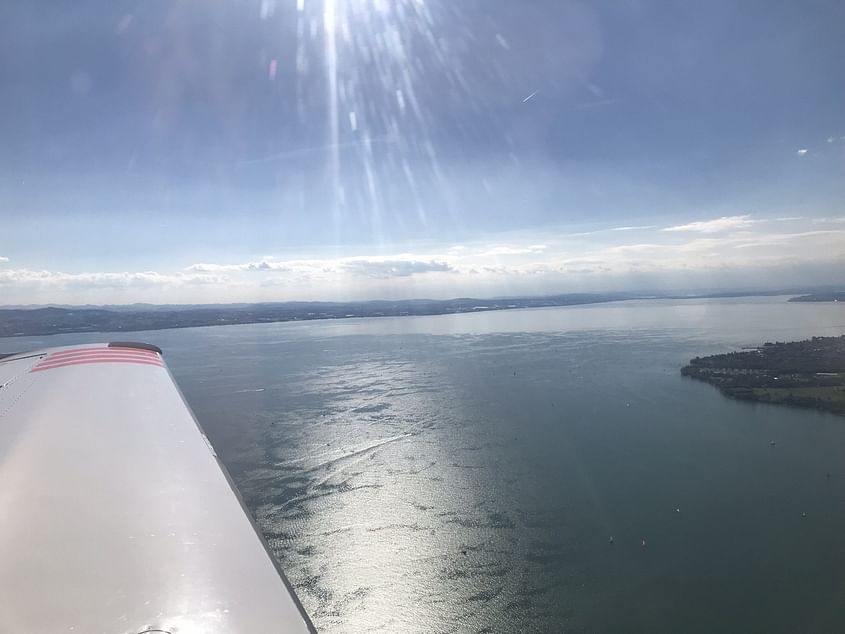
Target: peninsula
[
  {"x": 836, "y": 296},
  {"x": 807, "y": 373}
]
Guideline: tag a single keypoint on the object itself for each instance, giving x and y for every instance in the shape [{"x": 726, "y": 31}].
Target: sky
[{"x": 189, "y": 151}]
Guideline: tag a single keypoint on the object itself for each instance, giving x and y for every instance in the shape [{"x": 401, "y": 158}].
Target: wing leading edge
[{"x": 115, "y": 514}]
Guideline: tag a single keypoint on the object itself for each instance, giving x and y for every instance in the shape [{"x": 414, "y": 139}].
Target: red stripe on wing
[
  {"x": 92, "y": 360},
  {"x": 103, "y": 350},
  {"x": 80, "y": 356}
]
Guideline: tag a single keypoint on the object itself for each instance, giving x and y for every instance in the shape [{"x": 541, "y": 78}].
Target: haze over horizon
[{"x": 269, "y": 150}]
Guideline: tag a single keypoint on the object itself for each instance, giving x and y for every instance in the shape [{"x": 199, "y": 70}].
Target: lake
[{"x": 467, "y": 472}]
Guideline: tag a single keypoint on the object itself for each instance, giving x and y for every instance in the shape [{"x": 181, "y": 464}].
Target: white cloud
[
  {"x": 403, "y": 265},
  {"x": 702, "y": 245},
  {"x": 634, "y": 228},
  {"x": 822, "y": 239},
  {"x": 717, "y": 225},
  {"x": 104, "y": 279},
  {"x": 395, "y": 268},
  {"x": 3, "y": 259},
  {"x": 802, "y": 152},
  {"x": 635, "y": 248},
  {"x": 262, "y": 265}
]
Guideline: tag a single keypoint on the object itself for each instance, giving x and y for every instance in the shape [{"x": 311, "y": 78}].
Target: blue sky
[{"x": 341, "y": 149}]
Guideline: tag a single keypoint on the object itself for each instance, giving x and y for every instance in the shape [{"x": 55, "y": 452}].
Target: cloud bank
[{"x": 732, "y": 250}]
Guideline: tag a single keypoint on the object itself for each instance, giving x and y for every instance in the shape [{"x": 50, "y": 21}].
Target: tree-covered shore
[{"x": 808, "y": 373}]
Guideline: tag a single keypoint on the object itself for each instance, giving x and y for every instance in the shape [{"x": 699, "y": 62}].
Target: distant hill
[{"x": 54, "y": 320}]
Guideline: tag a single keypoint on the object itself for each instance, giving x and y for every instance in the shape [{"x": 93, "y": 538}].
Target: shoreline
[{"x": 55, "y": 320}]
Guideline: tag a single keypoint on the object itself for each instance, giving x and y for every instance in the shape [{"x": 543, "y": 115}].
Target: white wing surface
[{"x": 115, "y": 514}]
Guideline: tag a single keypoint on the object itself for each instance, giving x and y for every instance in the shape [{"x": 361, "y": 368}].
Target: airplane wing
[{"x": 115, "y": 514}]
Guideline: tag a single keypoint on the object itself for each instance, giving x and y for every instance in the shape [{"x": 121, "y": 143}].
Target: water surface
[{"x": 466, "y": 472}]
